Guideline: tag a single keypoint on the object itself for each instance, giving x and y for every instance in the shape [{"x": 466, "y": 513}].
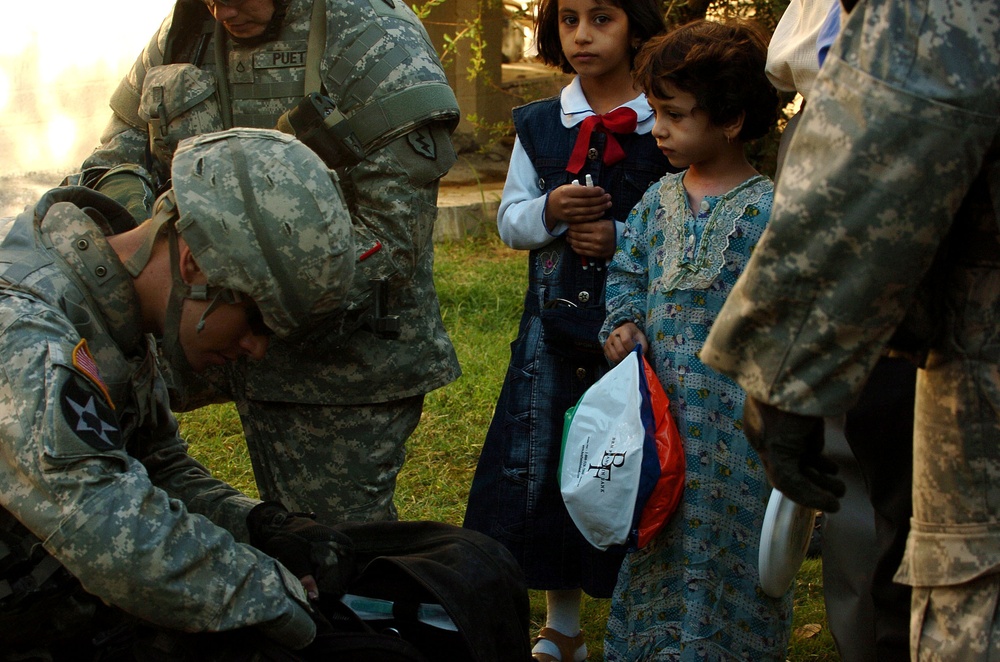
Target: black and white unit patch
[
  {"x": 422, "y": 142},
  {"x": 87, "y": 413}
]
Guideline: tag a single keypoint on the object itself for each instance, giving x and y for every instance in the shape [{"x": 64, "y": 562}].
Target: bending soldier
[{"x": 105, "y": 520}]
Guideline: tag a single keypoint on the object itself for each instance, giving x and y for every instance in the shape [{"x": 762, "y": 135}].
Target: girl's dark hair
[
  {"x": 721, "y": 65},
  {"x": 645, "y": 21}
]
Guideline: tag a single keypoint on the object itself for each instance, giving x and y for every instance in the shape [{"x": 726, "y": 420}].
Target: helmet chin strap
[
  {"x": 164, "y": 219},
  {"x": 179, "y": 290}
]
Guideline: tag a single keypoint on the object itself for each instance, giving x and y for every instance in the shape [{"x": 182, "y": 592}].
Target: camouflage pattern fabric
[
  {"x": 178, "y": 101},
  {"x": 373, "y": 50},
  {"x": 296, "y": 466},
  {"x": 130, "y": 185},
  {"x": 274, "y": 228},
  {"x": 392, "y": 195},
  {"x": 888, "y": 205},
  {"x": 92, "y": 462},
  {"x": 956, "y": 623}
]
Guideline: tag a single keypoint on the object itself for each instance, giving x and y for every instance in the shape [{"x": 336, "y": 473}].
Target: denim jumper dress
[{"x": 515, "y": 494}]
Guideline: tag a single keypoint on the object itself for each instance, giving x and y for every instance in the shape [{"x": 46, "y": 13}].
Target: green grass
[{"x": 481, "y": 285}]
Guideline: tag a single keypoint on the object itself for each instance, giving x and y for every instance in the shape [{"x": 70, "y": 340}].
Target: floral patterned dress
[{"x": 692, "y": 593}]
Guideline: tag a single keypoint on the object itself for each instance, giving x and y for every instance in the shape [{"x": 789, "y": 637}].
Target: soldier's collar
[{"x": 77, "y": 240}]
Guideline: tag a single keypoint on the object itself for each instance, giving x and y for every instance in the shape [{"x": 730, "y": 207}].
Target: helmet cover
[{"x": 264, "y": 217}]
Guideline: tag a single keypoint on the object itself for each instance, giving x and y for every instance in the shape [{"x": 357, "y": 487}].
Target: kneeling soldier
[{"x": 108, "y": 528}]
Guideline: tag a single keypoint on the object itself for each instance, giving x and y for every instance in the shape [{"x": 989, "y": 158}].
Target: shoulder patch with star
[
  {"x": 86, "y": 404},
  {"x": 89, "y": 416}
]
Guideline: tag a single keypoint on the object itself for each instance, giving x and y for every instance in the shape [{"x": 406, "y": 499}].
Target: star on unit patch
[
  {"x": 89, "y": 416},
  {"x": 89, "y": 412}
]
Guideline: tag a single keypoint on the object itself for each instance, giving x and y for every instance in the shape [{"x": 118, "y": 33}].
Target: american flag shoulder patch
[{"x": 84, "y": 361}]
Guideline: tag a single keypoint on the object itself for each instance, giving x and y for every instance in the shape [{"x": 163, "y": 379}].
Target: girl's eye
[
  {"x": 601, "y": 19},
  {"x": 569, "y": 20}
]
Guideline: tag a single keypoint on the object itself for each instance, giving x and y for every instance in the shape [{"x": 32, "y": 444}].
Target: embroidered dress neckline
[{"x": 692, "y": 260}]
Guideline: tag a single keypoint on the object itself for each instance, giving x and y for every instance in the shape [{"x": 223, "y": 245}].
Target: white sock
[{"x": 563, "y": 615}]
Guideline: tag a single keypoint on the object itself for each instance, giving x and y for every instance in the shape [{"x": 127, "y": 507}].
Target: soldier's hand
[
  {"x": 791, "y": 448},
  {"x": 319, "y": 555}
]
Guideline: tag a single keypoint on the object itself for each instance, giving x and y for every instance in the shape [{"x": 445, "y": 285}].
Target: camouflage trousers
[
  {"x": 953, "y": 551},
  {"x": 951, "y": 623},
  {"x": 339, "y": 462}
]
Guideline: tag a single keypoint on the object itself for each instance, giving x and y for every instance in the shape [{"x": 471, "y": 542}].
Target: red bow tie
[{"x": 619, "y": 120}]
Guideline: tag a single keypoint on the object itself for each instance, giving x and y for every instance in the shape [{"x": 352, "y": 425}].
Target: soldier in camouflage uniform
[
  {"x": 105, "y": 520},
  {"x": 885, "y": 234},
  {"x": 325, "y": 420}
]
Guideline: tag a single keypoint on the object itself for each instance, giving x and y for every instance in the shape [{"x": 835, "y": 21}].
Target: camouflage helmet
[{"x": 265, "y": 218}]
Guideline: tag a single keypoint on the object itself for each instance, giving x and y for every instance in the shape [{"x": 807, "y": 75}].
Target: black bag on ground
[
  {"x": 454, "y": 594},
  {"x": 342, "y": 636}
]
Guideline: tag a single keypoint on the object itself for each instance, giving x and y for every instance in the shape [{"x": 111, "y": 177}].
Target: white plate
[{"x": 784, "y": 539}]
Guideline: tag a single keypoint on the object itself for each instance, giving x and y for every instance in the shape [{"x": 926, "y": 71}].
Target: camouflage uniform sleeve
[
  {"x": 394, "y": 206},
  {"x": 893, "y": 136},
  {"x": 68, "y": 479},
  {"x": 628, "y": 274},
  {"x": 393, "y": 192},
  {"x": 165, "y": 457},
  {"x": 125, "y": 137}
]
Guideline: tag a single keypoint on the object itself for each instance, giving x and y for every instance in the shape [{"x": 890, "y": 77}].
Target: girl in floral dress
[{"x": 692, "y": 593}]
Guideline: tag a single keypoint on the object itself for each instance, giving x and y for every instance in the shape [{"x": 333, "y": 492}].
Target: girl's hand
[
  {"x": 572, "y": 203},
  {"x": 622, "y": 341},
  {"x": 595, "y": 239}
]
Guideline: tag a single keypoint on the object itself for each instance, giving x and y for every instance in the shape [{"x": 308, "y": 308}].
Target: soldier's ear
[{"x": 191, "y": 273}]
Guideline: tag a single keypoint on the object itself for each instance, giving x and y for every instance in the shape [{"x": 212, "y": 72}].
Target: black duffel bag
[{"x": 451, "y": 593}]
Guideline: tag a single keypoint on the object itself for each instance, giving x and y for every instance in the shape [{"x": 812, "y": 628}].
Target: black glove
[
  {"x": 303, "y": 545},
  {"x": 791, "y": 448}
]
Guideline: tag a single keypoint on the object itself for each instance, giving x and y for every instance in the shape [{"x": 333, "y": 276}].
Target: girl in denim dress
[{"x": 597, "y": 132}]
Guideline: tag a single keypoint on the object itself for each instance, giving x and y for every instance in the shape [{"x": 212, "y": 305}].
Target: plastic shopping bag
[{"x": 621, "y": 472}]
